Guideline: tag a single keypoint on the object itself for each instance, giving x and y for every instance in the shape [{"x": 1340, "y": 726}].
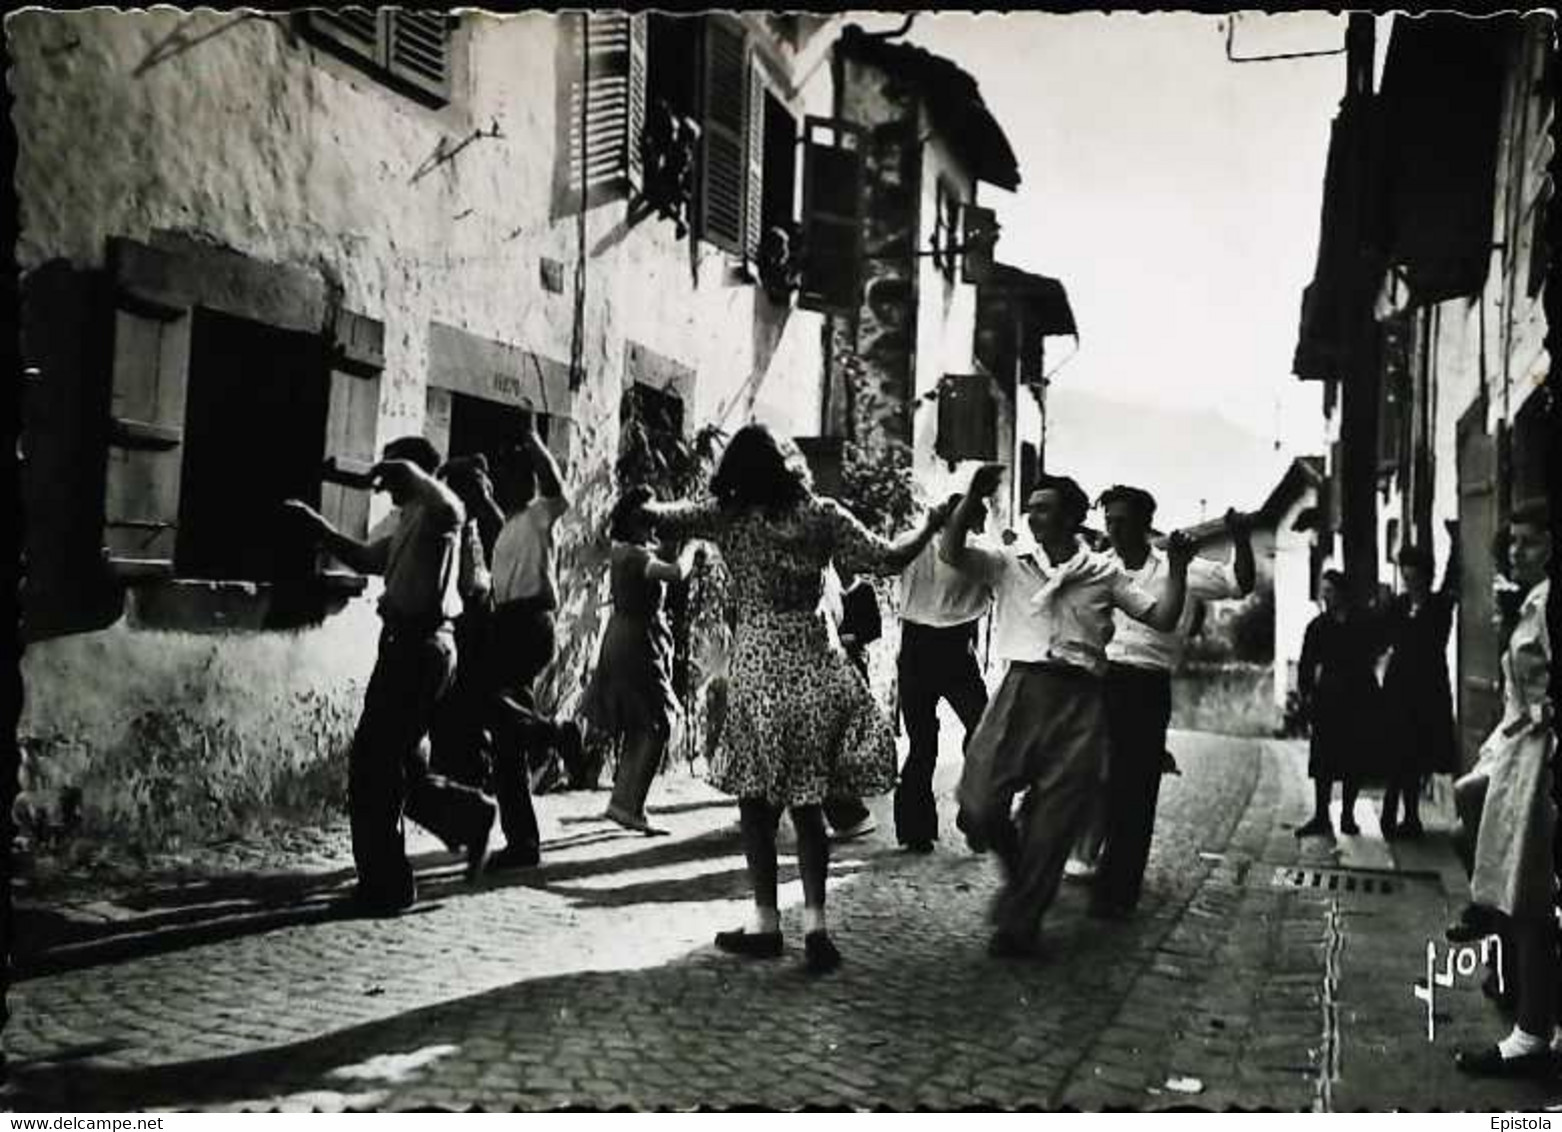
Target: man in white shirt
[
  {"x": 521, "y": 645},
  {"x": 1140, "y": 663},
  {"x": 940, "y": 609},
  {"x": 1044, "y": 732}
]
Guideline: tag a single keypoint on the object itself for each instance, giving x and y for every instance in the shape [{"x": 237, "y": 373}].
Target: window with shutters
[
  {"x": 832, "y": 201},
  {"x": 226, "y": 399},
  {"x": 605, "y": 113},
  {"x": 404, "y": 48}
]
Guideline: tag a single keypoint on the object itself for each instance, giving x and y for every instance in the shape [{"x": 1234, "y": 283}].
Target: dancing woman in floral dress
[{"x": 802, "y": 726}]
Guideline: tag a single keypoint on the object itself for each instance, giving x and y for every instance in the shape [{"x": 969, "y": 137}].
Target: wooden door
[{"x": 1479, "y": 677}]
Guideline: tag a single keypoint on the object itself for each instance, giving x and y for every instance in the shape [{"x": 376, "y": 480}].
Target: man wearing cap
[
  {"x": 1044, "y": 732},
  {"x": 417, "y": 659},
  {"x": 940, "y": 608},
  {"x": 1140, "y": 661}
]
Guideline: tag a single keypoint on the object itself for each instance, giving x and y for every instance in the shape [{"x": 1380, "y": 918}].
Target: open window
[
  {"x": 230, "y": 394},
  {"x": 404, "y": 48},
  {"x": 255, "y": 435},
  {"x": 832, "y": 230}
]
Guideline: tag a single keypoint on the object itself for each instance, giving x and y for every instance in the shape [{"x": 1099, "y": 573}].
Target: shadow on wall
[
  {"x": 1227, "y": 699},
  {"x": 187, "y": 736}
]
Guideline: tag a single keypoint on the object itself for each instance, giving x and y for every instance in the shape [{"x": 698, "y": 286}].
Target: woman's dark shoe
[
  {"x": 1318, "y": 826},
  {"x": 1348, "y": 825},
  {"x": 514, "y": 857},
  {"x": 921, "y": 848},
  {"x": 1412, "y": 830},
  {"x": 820, "y": 953},
  {"x": 1390, "y": 827},
  {"x": 1489, "y": 1062},
  {"x": 755, "y": 945}
]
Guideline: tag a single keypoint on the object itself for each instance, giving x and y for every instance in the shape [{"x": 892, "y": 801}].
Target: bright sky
[{"x": 1176, "y": 194}]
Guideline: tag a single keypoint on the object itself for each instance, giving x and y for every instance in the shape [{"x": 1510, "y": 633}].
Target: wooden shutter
[
  {"x": 832, "y": 195},
  {"x": 417, "y": 50},
  {"x": 611, "y": 46},
  {"x": 967, "y": 419},
  {"x": 411, "y": 47},
  {"x": 352, "y": 419},
  {"x": 754, "y": 183},
  {"x": 724, "y": 157},
  {"x": 353, "y": 31},
  {"x": 146, "y": 426}
]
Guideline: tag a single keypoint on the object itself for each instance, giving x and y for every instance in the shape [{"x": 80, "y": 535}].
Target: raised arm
[
  {"x": 1163, "y": 611},
  {"x": 550, "y": 484},
  {"x": 952, "y": 545},
  {"x": 861, "y": 551},
  {"x": 1455, "y": 564},
  {"x": 1239, "y": 527}
]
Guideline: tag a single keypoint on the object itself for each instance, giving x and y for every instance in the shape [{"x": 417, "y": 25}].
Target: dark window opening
[
  {"x": 254, "y": 436},
  {"x": 778, "y": 205},
  {"x": 672, "y": 47},
  {"x": 1531, "y": 439},
  {"x": 490, "y": 428}
]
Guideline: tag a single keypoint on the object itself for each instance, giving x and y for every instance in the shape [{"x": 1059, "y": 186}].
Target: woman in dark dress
[
  {"x": 1339, "y": 695},
  {"x": 631, "y": 695},
  {"x": 1418, "y": 706}
]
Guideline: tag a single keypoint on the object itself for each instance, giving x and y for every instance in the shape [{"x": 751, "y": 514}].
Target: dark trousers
[
  {"x": 843, "y": 813},
  {"x": 386, "y": 772},
  {"x": 1138, "y": 711},
  {"x": 521, "y": 646},
  {"x": 934, "y": 664},
  {"x": 1043, "y": 733},
  {"x": 459, "y": 738}
]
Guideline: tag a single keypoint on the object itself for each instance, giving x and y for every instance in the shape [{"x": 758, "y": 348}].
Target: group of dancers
[{"x": 1076, "y": 729}]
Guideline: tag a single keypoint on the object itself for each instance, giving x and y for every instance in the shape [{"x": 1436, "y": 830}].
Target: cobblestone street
[{"x": 591, "y": 980}]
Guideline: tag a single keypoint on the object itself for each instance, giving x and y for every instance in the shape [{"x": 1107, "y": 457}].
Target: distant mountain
[{"x": 1181, "y": 456}]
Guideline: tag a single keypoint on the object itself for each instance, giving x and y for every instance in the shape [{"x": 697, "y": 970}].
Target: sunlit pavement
[{"x": 590, "y": 980}]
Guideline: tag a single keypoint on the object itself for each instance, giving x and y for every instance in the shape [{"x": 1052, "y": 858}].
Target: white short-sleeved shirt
[
  {"x": 934, "y": 593},
  {"x": 524, "y": 561},
  {"x": 1073, "y": 628},
  {"x": 1140, "y": 646}
]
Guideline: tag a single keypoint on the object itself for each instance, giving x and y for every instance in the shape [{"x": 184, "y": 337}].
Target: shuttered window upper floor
[{"x": 407, "y": 49}]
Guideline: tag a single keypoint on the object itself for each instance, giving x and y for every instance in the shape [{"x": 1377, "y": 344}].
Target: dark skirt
[
  {"x": 1347, "y": 734},
  {"x": 631, "y": 690},
  {"x": 1418, "y": 725}
]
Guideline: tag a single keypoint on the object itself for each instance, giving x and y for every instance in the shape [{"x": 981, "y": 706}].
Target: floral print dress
[{"x": 801, "y": 724}]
